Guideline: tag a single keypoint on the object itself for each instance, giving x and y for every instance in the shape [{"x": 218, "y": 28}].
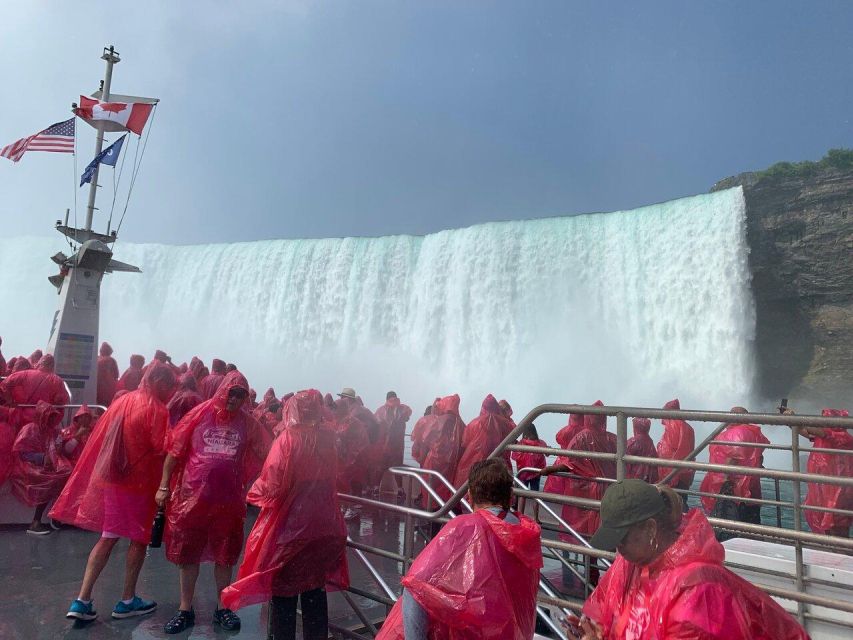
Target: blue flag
[{"x": 107, "y": 156}]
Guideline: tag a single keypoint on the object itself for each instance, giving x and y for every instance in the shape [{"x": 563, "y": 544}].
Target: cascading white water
[{"x": 634, "y": 307}]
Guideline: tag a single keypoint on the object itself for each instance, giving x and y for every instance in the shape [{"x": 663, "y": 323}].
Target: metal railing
[{"x": 550, "y": 597}]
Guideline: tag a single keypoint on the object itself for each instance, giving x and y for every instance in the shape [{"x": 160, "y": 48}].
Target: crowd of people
[{"x": 197, "y": 445}]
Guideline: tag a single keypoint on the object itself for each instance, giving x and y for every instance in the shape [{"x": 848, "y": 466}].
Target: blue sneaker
[
  {"x": 137, "y": 607},
  {"x": 79, "y": 610}
]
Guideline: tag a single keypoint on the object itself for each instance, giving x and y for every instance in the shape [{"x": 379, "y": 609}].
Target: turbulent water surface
[{"x": 634, "y": 307}]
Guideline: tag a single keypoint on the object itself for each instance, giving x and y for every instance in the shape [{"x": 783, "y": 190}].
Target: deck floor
[{"x": 39, "y": 577}]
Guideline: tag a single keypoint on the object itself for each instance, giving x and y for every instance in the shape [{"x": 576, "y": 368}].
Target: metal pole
[
  {"x": 111, "y": 57},
  {"x": 621, "y": 439},
  {"x": 798, "y": 525}
]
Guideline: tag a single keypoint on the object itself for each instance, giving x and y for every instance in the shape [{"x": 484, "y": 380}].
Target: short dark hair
[
  {"x": 390, "y": 395},
  {"x": 490, "y": 482}
]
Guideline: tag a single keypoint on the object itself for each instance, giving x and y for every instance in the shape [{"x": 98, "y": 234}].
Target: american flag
[{"x": 57, "y": 138}]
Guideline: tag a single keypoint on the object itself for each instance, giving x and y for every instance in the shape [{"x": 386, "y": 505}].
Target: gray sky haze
[{"x": 316, "y": 119}]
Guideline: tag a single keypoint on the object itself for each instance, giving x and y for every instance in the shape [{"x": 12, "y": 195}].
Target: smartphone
[{"x": 783, "y": 405}]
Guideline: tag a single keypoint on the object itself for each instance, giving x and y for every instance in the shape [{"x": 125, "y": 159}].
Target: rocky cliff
[{"x": 800, "y": 232}]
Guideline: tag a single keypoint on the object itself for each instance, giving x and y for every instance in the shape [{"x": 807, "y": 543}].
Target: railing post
[
  {"x": 778, "y": 506},
  {"x": 798, "y": 525},
  {"x": 408, "y": 527},
  {"x": 621, "y": 439}
]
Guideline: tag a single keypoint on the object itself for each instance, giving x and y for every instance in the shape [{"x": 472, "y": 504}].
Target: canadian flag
[{"x": 114, "y": 116}]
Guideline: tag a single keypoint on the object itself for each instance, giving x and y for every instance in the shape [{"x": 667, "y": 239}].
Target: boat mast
[{"x": 111, "y": 56}]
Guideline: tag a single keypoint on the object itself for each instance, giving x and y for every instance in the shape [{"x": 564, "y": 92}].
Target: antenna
[{"x": 111, "y": 57}]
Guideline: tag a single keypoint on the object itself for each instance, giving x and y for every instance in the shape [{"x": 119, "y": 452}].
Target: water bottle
[{"x": 157, "y": 528}]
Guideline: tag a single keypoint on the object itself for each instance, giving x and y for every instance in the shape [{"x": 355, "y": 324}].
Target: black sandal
[
  {"x": 180, "y": 621},
  {"x": 226, "y": 619}
]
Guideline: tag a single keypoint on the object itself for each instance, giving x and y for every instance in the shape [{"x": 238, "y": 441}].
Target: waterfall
[{"x": 634, "y": 307}]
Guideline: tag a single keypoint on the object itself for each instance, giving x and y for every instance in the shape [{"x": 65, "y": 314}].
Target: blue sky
[{"x": 314, "y": 119}]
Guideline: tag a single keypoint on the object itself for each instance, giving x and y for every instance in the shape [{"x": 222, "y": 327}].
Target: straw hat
[{"x": 347, "y": 392}]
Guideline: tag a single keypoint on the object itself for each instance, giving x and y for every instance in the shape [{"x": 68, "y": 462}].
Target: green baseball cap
[{"x": 625, "y": 503}]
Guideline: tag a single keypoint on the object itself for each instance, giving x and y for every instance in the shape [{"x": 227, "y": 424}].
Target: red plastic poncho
[
  {"x": 2, "y": 361},
  {"x": 35, "y": 483},
  {"x": 593, "y": 438},
  {"x": 185, "y": 399},
  {"x": 742, "y": 486},
  {"x": 212, "y": 381},
  {"x": 132, "y": 376},
  {"x": 35, "y": 357},
  {"x": 477, "y": 579},
  {"x": 32, "y": 386},
  {"x": 535, "y": 460},
  {"x": 113, "y": 485},
  {"x": 352, "y": 440},
  {"x": 641, "y": 445},
  {"x": 554, "y": 483},
  {"x": 482, "y": 436},
  {"x": 298, "y": 542},
  {"x": 73, "y": 438},
  {"x": 825, "y": 495},
  {"x": 437, "y": 441},
  {"x": 687, "y": 594},
  {"x": 676, "y": 443},
  {"x": 107, "y": 375},
  {"x": 21, "y": 364},
  {"x": 196, "y": 367},
  {"x": 213, "y": 448},
  {"x": 392, "y": 418},
  {"x": 7, "y": 439}
]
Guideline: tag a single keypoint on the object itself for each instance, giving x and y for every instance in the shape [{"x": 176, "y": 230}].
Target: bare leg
[
  {"x": 189, "y": 576},
  {"x": 98, "y": 558},
  {"x": 222, "y": 575},
  {"x": 133, "y": 565}
]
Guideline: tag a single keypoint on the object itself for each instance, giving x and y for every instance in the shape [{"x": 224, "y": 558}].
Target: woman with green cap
[{"x": 668, "y": 579}]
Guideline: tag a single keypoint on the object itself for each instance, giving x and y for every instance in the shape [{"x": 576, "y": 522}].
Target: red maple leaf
[{"x": 114, "y": 107}]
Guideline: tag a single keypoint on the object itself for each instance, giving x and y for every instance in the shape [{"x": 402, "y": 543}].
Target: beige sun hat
[{"x": 347, "y": 392}]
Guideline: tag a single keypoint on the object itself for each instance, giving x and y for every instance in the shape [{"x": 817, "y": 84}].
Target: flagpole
[{"x": 111, "y": 56}]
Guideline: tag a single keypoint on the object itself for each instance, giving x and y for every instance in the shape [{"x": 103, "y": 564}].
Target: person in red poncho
[
  {"x": 19, "y": 363},
  {"x": 676, "y": 443},
  {"x": 437, "y": 442},
  {"x": 593, "y": 438},
  {"x": 185, "y": 399},
  {"x": 736, "y": 485},
  {"x": 30, "y": 386},
  {"x": 668, "y": 579},
  {"x": 7, "y": 439},
  {"x": 207, "y": 467},
  {"x": 73, "y": 438},
  {"x": 392, "y": 418},
  {"x": 555, "y": 483},
  {"x": 35, "y": 356},
  {"x": 357, "y": 431},
  {"x": 2, "y": 360},
  {"x": 212, "y": 381},
  {"x": 36, "y": 477},
  {"x": 132, "y": 376},
  {"x": 830, "y": 464},
  {"x": 482, "y": 436},
  {"x": 196, "y": 367},
  {"x": 641, "y": 445},
  {"x": 111, "y": 490},
  {"x": 479, "y": 576},
  {"x": 297, "y": 547},
  {"x": 530, "y": 438},
  {"x": 107, "y": 375}
]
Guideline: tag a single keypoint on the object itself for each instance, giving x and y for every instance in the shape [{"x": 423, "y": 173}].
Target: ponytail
[{"x": 669, "y": 519}]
